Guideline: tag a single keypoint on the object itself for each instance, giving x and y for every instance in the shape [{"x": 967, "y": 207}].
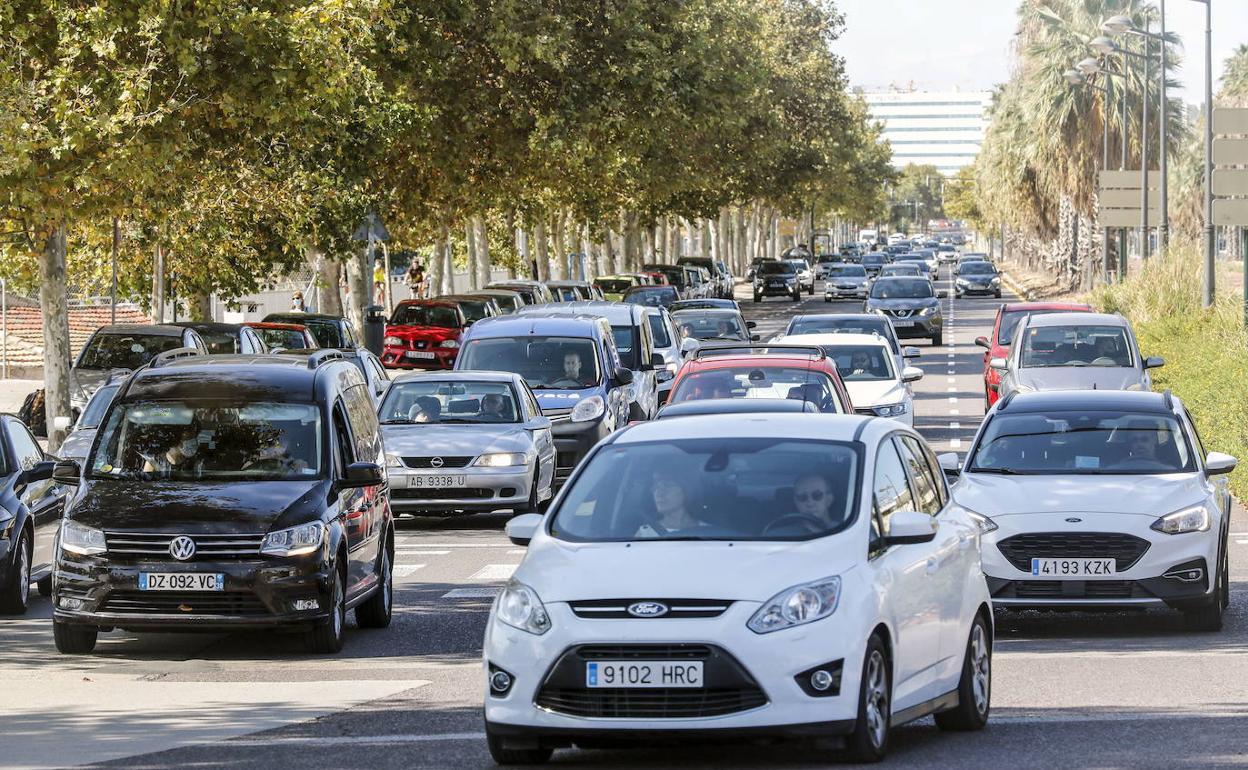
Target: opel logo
[
  {"x": 1074, "y": 520},
  {"x": 436, "y": 462},
  {"x": 647, "y": 609},
  {"x": 182, "y": 548}
]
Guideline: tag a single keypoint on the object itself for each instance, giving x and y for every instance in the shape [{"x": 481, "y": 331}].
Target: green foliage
[
  {"x": 962, "y": 197},
  {"x": 916, "y": 197}
]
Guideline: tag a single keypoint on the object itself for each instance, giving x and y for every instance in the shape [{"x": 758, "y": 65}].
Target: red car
[
  {"x": 998, "y": 345},
  {"x": 774, "y": 371},
  {"x": 285, "y": 336},
  {"x": 423, "y": 334}
]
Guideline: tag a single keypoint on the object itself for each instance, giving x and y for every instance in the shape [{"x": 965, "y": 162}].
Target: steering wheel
[
  {"x": 566, "y": 382},
  {"x": 1104, "y": 361},
  {"x": 808, "y": 524}
]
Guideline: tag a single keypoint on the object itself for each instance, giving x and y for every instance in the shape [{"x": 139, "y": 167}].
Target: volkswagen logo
[
  {"x": 182, "y": 548},
  {"x": 647, "y": 609},
  {"x": 435, "y": 462},
  {"x": 1074, "y": 520}
]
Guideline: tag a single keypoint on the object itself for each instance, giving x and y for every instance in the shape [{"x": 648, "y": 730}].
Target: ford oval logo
[
  {"x": 647, "y": 609},
  {"x": 182, "y": 548},
  {"x": 1074, "y": 520}
]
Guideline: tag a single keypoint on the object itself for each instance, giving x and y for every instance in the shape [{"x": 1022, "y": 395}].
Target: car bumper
[
  {"x": 770, "y": 664},
  {"x": 839, "y": 292},
  {"x": 484, "y": 489},
  {"x": 907, "y": 328},
  {"x": 573, "y": 440},
  {"x": 398, "y": 358},
  {"x": 775, "y": 291},
  {"x": 980, "y": 290}
]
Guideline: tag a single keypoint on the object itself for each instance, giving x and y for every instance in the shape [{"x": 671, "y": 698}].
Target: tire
[
  {"x": 998, "y": 294},
  {"x": 869, "y": 740},
  {"x": 811, "y": 290},
  {"x": 1208, "y": 616},
  {"x": 826, "y": 298},
  {"x": 45, "y": 586},
  {"x": 975, "y": 686},
  {"x": 797, "y": 295},
  {"x": 757, "y": 298},
  {"x": 534, "y": 503},
  {"x": 74, "y": 640},
  {"x": 15, "y": 588},
  {"x": 327, "y": 638},
  {"x": 506, "y": 756},
  {"x": 938, "y": 339},
  {"x": 375, "y": 612}
]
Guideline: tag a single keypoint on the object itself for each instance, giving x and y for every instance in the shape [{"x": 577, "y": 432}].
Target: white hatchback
[
  {"x": 870, "y": 372},
  {"x": 729, "y": 575}
]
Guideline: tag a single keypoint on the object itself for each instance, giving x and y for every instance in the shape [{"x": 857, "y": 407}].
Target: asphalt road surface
[{"x": 1120, "y": 690}]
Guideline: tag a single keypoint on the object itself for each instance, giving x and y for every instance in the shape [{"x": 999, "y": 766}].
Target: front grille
[
  {"x": 899, "y": 313},
  {"x": 427, "y": 462},
  {"x": 1071, "y": 589},
  {"x": 449, "y": 493},
  {"x": 207, "y": 547},
  {"x": 657, "y": 703},
  {"x": 643, "y": 651},
  {"x": 1125, "y": 550},
  {"x": 188, "y": 603},
  {"x": 615, "y": 609},
  {"x": 557, "y": 415}
]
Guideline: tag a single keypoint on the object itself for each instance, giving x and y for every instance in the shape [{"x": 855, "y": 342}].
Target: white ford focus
[
  {"x": 1100, "y": 499},
  {"x": 768, "y": 574}
]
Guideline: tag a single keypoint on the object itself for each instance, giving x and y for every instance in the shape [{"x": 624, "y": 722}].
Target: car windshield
[
  {"x": 96, "y": 407},
  {"x": 651, "y": 296},
  {"x": 327, "y": 333},
  {"x": 506, "y": 303},
  {"x": 442, "y": 401},
  {"x": 658, "y": 330},
  {"x": 757, "y": 381},
  {"x": 862, "y": 363},
  {"x": 712, "y": 489},
  {"x": 775, "y": 268},
  {"x": 848, "y": 271},
  {"x": 874, "y": 259},
  {"x": 219, "y": 342},
  {"x": 475, "y": 310},
  {"x": 977, "y": 268},
  {"x": 125, "y": 351},
  {"x": 1049, "y": 346},
  {"x": 546, "y": 363},
  {"x": 1010, "y": 320},
  {"x": 1086, "y": 443},
  {"x": 439, "y": 316},
  {"x": 902, "y": 269},
  {"x": 902, "y": 288},
  {"x": 290, "y": 339},
  {"x": 711, "y": 325},
  {"x": 798, "y": 265},
  {"x": 209, "y": 440},
  {"x": 613, "y": 285}
]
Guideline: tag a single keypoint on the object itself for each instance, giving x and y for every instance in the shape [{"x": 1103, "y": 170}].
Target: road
[{"x": 1071, "y": 690}]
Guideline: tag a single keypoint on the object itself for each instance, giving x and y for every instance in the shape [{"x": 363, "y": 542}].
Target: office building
[{"x": 938, "y": 128}]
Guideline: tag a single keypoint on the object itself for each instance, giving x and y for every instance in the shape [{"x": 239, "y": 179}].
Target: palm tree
[{"x": 1235, "y": 78}]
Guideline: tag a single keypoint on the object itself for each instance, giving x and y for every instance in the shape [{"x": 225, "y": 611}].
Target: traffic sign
[
  {"x": 1230, "y": 211},
  {"x": 1230, "y": 120},
  {"x": 371, "y": 226},
  {"x": 1230, "y": 182}
]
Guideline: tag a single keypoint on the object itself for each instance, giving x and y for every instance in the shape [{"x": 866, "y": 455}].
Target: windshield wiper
[
  {"x": 398, "y": 421},
  {"x": 456, "y": 420},
  {"x": 1000, "y": 471}
]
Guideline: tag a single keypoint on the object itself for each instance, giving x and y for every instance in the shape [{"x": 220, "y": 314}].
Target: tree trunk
[
  {"x": 561, "y": 247},
  {"x": 483, "y": 250},
  {"x": 587, "y": 247},
  {"x": 522, "y": 248},
  {"x": 54, "y": 303},
  {"x": 328, "y": 297},
  {"x": 543, "y": 251},
  {"x": 470, "y": 240},
  {"x": 199, "y": 305},
  {"x": 158, "y": 284},
  {"x": 359, "y": 287}
]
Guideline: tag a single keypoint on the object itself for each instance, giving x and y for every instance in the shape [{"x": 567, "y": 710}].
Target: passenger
[
  {"x": 179, "y": 455},
  {"x": 426, "y": 409},
  {"x": 274, "y": 455},
  {"x": 812, "y": 496},
  {"x": 724, "y": 330},
  {"x": 671, "y": 507},
  {"x": 494, "y": 408},
  {"x": 686, "y": 331}
]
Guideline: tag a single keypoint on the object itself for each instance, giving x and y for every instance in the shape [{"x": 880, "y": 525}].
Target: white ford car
[
  {"x": 1099, "y": 499},
  {"x": 763, "y": 574},
  {"x": 870, "y": 372}
]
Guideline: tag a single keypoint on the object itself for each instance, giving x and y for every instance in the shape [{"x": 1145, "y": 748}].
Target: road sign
[
  {"x": 1230, "y": 152},
  {"x": 1127, "y": 180},
  {"x": 1230, "y": 211},
  {"x": 1125, "y": 217},
  {"x": 1125, "y": 199},
  {"x": 1120, "y": 195},
  {"x": 371, "y": 223},
  {"x": 1230, "y": 120},
  {"x": 1230, "y": 182}
]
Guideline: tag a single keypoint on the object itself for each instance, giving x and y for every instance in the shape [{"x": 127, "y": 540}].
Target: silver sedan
[{"x": 465, "y": 442}]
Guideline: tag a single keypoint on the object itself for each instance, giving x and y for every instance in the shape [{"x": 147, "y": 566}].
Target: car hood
[
  {"x": 198, "y": 507},
  {"x": 1149, "y": 496},
  {"x": 558, "y": 401},
  {"x": 426, "y": 439},
  {"x": 875, "y": 393},
  {"x": 1081, "y": 378},
  {"x": 561, "y": 571},
  {"x": 857, "y": 280},
  {"x": 423, "y": 332},
  {"x": 76, "y": 445},
  {"x": 902, "y": 304}
]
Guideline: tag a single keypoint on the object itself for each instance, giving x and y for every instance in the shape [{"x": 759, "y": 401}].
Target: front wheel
[
  {"x": 505, "y": 756},
  {"x": 938, "y": 339},
  {"x": 74, "y": 640},
  {"x": 869, "y": 741},
  {"x": 327, "y": 638},
  {"x": 826, "y": 298},
  {"x": 757, "y": 298},
  {"x": 375, "y": 612},
  {"x": 15, "y": 588},
  {"x": 975, "y": 686},
  {"x": 811, "y": 290},
  {"x": 1208, "y": 617}
]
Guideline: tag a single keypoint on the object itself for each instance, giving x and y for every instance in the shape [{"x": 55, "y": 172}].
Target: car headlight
[
  {"x": 995, "y": 280},
  {"x": 80, "y": 539},
  {"x": 448, "y": 344},
  {"x": 392, "y": 341},
  {"x": 890, "y": 410},
  {"x": 963, "y": 282},
  {"x": 394, "y": 461},
  {"x": 1187, "y": 520},
  {"x": 500, "y": 460},
  {"x": 926, "y": 311},
  {"x": 294, "y": 541},
  {"x": 588, "y": 409},
  {"x": 797, "y": 606},
  {"x": 520, "y": 607},
  {"x": 673, "y": 368},
  {"x": 984, "y": 523}
]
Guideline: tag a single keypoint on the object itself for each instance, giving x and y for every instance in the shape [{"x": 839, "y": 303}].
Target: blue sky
[{"x": 965, "y": 44}]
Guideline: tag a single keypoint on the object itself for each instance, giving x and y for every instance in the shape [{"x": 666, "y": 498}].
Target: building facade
[{"x": 938, "y": 128}]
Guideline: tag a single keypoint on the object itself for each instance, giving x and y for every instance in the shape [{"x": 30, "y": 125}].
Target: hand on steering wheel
[{"x": 804, "y": 521}]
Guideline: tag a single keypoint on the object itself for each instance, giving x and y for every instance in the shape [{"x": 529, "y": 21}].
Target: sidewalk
[{"x": 14, "y": 392}]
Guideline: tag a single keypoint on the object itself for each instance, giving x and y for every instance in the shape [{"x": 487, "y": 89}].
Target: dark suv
[{"x": 226, "y": 493}]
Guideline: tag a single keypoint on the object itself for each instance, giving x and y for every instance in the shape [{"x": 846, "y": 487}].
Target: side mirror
[
  {"x": 983, "y": 343},
  {"x": 1154, "y": 362},
  {"x": 67, "y": 472},
  {"x": 538, "y": 423},
  {"x": 61, "y": 423},
  {"x": 750, "y": 325},
  {"x": 950, "y": 464},
  {"x": 911, "y": 374},
  {"x": 665, "y": 375},
  {"x": 623, "y": 376},
  {"x": 1218, "y": 463},
  {"x": 942, "y": 294},
  {"x": 754, "y": 338},
  {"x": 468, "y": 323},
  {"x": 521, "y": 529},
  {"x": 910, "y": 351},
  {"x": 657, "y": 361},
  {"x": 41, "y": 471},
  {"x": 998, "y": 363},
  {"x": 689, "y": 346},
  {"x": 360, "y": 475},
  {"x": 910, "y": 528}
]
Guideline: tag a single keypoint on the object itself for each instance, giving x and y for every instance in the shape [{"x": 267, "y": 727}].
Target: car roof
[
  {"x": 453, "y": 298},
  {"x": 447, "y": 375},
  {"x": 1089, "y": 400},
  {"x": 545, "y": 324},
  {"x": 275, "y": 325},
  {"x": 294, "y": 317},
  {"x": 711, "y": 311},
  {"x": 563, "y": 284},
  {"x": 650, "y": 287},
  {"x": 833, "y": 339},
  {"x": 821, "y": 427},
  {"x": 615, "y": 312},
  {"x": 758, "y": 360},
  {"x": 736, "y": 406},
  {"x": 442, "y": 301},
  {"x": 256, "y": 377},
  {"x": 154, "y": 330},
  {"x": 212, "y": 326},
  {"x": 1077, "y": 319},
  {"x": 1021, "y": 306}
]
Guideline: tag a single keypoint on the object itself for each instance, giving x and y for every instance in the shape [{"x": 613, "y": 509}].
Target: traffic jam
[{"x": 733, "y": 517}]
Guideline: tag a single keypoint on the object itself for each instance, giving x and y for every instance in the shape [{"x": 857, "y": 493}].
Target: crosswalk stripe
[
  {"x": 494, "y": 572},
  {"x": 406, "y": 570},
  {"x": 471, "y": 593}
]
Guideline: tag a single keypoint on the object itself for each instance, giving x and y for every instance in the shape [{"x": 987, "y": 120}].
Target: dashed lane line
[
  {"x": 406, "y": 570},
  {"x": 494, "y": 572}
]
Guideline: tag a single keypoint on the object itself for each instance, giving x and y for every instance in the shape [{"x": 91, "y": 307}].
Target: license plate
[
  {"x": 643, "y": 674},
  {"x": 418, "y": 354},
  {"x": 776, "y": 285},
  {"x": 437, "y": 482},
  {"x": 1073, "y": 567},
  {"x": 903, "y": 324},
  {"x": 181, "y": 581}
]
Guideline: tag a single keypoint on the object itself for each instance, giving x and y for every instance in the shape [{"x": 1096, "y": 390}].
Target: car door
[
  {"x": 365, "y": 519},
  {"x": 911, "y": 595},
  {"x": 543, "y": 440},
  {"x": 44, "y": 499}
]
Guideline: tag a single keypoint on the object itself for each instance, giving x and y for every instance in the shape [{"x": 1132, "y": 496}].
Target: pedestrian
[
  {"x": 379, "y": 283},
  {"x": 296, "y": 303},
  {"x": 416, "y": 279}
]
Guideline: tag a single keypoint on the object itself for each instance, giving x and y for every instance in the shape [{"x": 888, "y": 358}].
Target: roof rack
[
  {"x": 1169, "y": 397},
  {"x": 160, "y": 359},
  {"x": 325, "y": 356},
  {"x": 720, "y": 350}
]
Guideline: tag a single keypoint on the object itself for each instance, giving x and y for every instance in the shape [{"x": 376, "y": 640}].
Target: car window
[
  {"x": 96, "y": 407},
  {"x": 550, "y": 363},
  {"x": 342, "y": 438},
  {"x": 922, "y": 476},
  {"x": 121, "y": 350},
  {"x": 862, "y": 363},
  {"x": 439, "y": 316},
  {"x": 363, "y": 422},
  {"x": 891, "y": 490},
  {"x": 26, "y": 452},
  {"x": 758, "y": 382},
  {"x": 1046, "y": 346}
]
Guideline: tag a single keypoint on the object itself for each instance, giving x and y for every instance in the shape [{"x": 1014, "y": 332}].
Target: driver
[
  {"x": 426, "y": 409},
  {"x": 724, "y": 329},
  {"x": 180, "y": 455},
  {"x": 671, "y": 506},
  {"x": 276, "y": 450},
  {"x": 572, "y": 367},
  {"x": 859, "y": 363},
  {"x": 812, "y": 497},
  {"x": 1141, "y": 447},
  {"x": 1106, "y": 348}
]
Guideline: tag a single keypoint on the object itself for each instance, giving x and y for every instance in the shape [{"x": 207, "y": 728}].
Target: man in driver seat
[
  {"x": 572, "y": 368},
  {"x": 812, "y": 497}
]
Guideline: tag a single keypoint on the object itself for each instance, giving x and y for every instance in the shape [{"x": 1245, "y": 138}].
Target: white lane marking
[
  {"x": 411, "y": 544},
  {"x": 954, "y": 411},
  {"x": 952, "y": 389},
  {"x": 518, "y": 552},
  {"x": 953, "y": 399},
  {"x": 471, "y": 593},
  {"x": 952, "y": 380},
  {"x": 955, "y": 443},
  {"x": 407, "y": 551},
  {"x": 951, "y": 355},
  {"x": 955, "y": 426},
  {"x": 406, "y": 570},
  {"x": 494, "y": 572},
  {"x": 353, "y": 739},
  {"x": 1238, "y": 542}
]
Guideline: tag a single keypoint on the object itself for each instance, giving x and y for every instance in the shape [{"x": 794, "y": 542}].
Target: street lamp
[
  {"x": 1076, "y": 77},
  {"x": 1210, "y": 235},
  {"x": 1089, "y": 66}
]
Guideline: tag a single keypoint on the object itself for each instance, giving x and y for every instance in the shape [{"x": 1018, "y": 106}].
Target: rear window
[
  {"x": 775, "y": 268},
  {"x": 613, "y": 286},
  {"x": 125, "y": 351},
  {"x": 759, "y": 382}
]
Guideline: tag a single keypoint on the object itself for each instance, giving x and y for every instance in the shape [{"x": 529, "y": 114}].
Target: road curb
[{"x": 1013, "y": 286}]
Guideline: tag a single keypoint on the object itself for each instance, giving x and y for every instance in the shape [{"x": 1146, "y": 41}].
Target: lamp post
[
  {"x": 1211, "y": 245},
  {"x": 1078, "y": 77}
]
